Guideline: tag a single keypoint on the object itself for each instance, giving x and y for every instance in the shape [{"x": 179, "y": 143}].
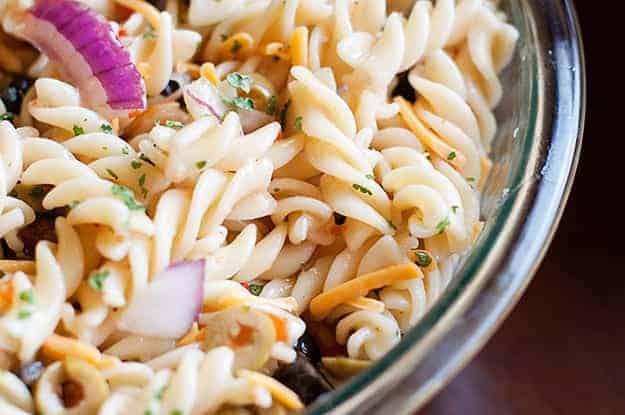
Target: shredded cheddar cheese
[
  {"x": 360, "y": 286},
  {"x": 6, "y": 296},
  {"x": 11, "y": 266},
  {"x": 208, "y": 72},
  {"x": 145, "y": 9},
  {"x": 190, "y": 337},
  {"x": 299, "y": 46},
  {"x": 281, "y": 393},
  {"x": 434, "y": 144},
  {"x": 58, "y": 347},
  {"x": 9, "y": 61}
]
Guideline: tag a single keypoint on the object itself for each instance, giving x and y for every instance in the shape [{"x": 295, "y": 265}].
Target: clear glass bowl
[{"x": 535, "y": 155}]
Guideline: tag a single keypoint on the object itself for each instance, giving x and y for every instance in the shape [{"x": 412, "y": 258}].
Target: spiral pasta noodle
[{"x": 190, "y": 190}]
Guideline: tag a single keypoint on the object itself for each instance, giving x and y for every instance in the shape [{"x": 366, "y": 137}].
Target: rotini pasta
[{"x": 190, "y": 190}]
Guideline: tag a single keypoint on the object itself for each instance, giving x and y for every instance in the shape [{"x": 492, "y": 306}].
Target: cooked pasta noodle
[{"x": 188, "y": 188}]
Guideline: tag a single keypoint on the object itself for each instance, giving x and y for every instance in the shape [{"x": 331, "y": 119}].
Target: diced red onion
[
  {"x": 169, "y": 305},
  {"x": 85, "y": 47}
]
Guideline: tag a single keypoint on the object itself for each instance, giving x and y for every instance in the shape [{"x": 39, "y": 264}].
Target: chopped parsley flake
[
  {"x": 125, "y": 150},
  {"x": 391, "y": 224},
  {"x": 451, "y": 155},
  {"x": 454, "y": 208},
  {"x": 112, "y": 174},
  {"x": 362, "y": 189},
  {"x": 147, "y": 160},
  {"x": 442, "y": 225},
  {"x": 236, "y": 46},
  {"x": 339, "y": 219},
  {"x": 78, "y": 130},
  {"x": 142, "y": 180},
  {"x": 237, "y": 103},
  {"x": 135, "y": 164},
  {"x": 105, "y": 148},
  {"x": 224, "y": 36},
  {"x": 28, "y": 296},
  {"x": 423, "y": 259},
  {"x": 7, "y": 116},
  {"x": 255, "y": 289},
  {"x": 200, "y": 164},
  {"x": 176, "y": 412},
  {"x": 150, "y": 34},
  {"x": 239, "y": 81},
  {"x": 23, "y": 314},
  {"x": 284, "y": 112},
  {"x": 272, "y": 104},
  {"x": 298, "y": 122},
  {"x": 96, "y": 280},
  {"x": 470, "y": 179},
  {"x": 176, "y": 125},
  {"x": 106, "y": 128},
  {"x": 370, "y": 176},
  {"x": 126, "y": 196},
  {"x": 160, "y": 393}
]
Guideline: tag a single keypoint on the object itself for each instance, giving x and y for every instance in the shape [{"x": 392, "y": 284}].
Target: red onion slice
[
  {"x": 85, "y": 47},
  {"x": 169, "y": 305}
]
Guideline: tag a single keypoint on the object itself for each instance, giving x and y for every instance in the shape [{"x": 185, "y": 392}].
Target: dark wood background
[{"x": 562, "y": 350}]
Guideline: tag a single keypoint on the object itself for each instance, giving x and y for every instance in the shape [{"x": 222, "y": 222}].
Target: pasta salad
[{"x": 228, "y": 207}]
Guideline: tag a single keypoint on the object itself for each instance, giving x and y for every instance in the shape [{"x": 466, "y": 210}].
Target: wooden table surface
[{"x": 562, "y": 350}]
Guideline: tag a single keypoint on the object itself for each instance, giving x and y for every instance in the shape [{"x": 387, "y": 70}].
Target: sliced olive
[
  {"x": 303, "y": 378},
  {"x": 308, "y": 347},
  {"x": 31, "y": 372},
  {"x": 13, "y": 94},
  {"x": 41, "y": 229},
  {"x": 344, "y": 367},
  {"x": 172, "y": 86},
  {"x": 248, "y": 332}
]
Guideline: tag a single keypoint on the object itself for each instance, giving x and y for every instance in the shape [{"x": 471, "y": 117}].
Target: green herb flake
[
  {"x": 78, "y": 130},
  {"x": 37, "y": 191},
  {"x": 276, "y": 189},
  {"x": 150, "y": 34},
  {"x": 370, "y": 176},
  {"x": 237, "y": 103},
  {"x": 126, "y": 196},
  {"x": 176, "y": 125},
  {"x": 255, "y": 289},
  {"x": 423, "y": 259},
  {"x": 142, "y": 180},
  {"x": 176, "y": 412},
  {"x": 272, "y": 105},
  {"x": 7, "y": 116},
  {"x": 112, "y": 174},
  {"x": 236, "y": 46},
  {"x": 147, "y": 160},
  {"x": 125, "y": 150},
  {"x": 224, "y": 36},
  {"x": 23, "y": 314},
  {"x": 27, "y": 296},
  {"x": 135, "y": 164},
  {"x": 451, "y": 155},
  {"x": 284, "y": 112},
  {"x": 454, "y": 208},
  {"x": 105, "y": 148},
  {"x": 200, "y": 164},
  {"x": 339, "y": 219},
  {"x": 160, "y": 393},
  {"x": 362, "y": 189},
  {"x": 442, "y": 225},
  {"x": 73, "y": 204},
  {"x": 391, "y": 224},
  {"x": 106, "y": 128},
  {"x": 239, "y": 81},
  {"x": 298, "y": 122},
  {"x": 96, "y": 280},
  {"x": 470, "y": 179}
]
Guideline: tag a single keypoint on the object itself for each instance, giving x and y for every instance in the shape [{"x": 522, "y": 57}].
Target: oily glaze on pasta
[{"x": 273, "y": 153}]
